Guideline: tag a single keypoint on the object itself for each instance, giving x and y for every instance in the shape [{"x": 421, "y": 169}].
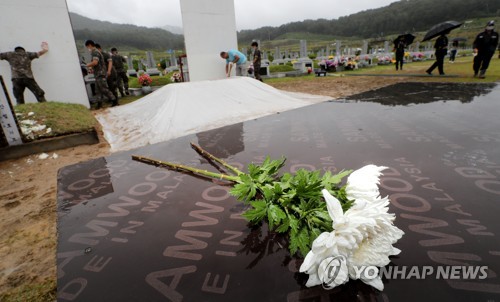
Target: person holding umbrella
[
  {"x": 441, "y": 47},
  {"x": 484, "y": 45}
]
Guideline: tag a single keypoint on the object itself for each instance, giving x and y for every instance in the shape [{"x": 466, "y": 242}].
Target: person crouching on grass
[{"x": 234, "y": 57}]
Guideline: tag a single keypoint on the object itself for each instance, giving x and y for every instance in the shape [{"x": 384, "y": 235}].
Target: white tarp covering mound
[{"x": 185, "y": 108}]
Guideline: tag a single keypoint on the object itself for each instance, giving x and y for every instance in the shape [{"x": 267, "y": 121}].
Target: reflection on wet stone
[
  {"x": 159, "y": 235},
  {"x": 84, "y": 182},
  {"x": 422, "y": 93},
  {"x": 223, "y": 142}
]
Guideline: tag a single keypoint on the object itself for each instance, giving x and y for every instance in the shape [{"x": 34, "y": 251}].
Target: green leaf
[
  {"x": 285, "y": 225},
  {"x": 268, "y": 193},
  {"x": 253, "y": 171},
  {"x": 258, "y": 211},
  {"x": 329, "y": 180},
  {"x": 272, "y": 167},
  {"x": 245, "y": 190},
  {"x": 300, "y": 241},
  {"x": 278, "y": 191},
  {"x": 323, "y": 215},
  {"x": 294, "y": 223},
  {"x": 294, "y": 242},
  {"x": 275, "y": 215}
]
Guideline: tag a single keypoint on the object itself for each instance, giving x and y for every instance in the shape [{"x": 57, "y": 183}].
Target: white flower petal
[
  {"x": 333, "y": 205},
  {"x": 375, "y": 282},
  {"x": 333, "y": 272},
  {"x": 362, "y": 183},
  {"x": 313, "y": 280},
  {"x": 364, "y": 234},
  {"x": 309, "y": 261}
]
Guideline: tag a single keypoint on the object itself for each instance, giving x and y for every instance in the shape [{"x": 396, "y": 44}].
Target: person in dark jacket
[
  {"x": 453, "y": 52},
  {"x": 484, "y": 45},
  {"x": 257, "y": 57},
  {"x": 399, "y": 49},
  {"x": 441, "y": 47}
]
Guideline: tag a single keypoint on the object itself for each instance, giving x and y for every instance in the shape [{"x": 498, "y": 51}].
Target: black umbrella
[
  {"x": 459, "y": 39},
  {"x": 407, "y": 38},
  {"x": 441, "y": 28}
]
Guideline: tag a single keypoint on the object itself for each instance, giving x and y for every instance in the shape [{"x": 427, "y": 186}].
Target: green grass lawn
[
  {"x": 462, "y": 68},
  {"x": 157, "y": 81},
  {"x": 280, "y": 68},
  {"x": 61, "y": 118}
]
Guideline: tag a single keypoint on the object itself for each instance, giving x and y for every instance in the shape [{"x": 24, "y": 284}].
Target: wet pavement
[{"x": 133, "y": 232}]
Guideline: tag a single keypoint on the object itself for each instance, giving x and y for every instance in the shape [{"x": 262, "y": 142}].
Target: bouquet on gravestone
[
  {"x": 145, "y": 79},
  {"x": 338, "y": 228}
]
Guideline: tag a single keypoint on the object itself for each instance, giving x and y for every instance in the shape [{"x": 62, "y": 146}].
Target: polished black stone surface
[{"x": 133, "y": 232}]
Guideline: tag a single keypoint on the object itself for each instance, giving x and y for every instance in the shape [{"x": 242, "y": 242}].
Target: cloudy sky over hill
[{"x": 249, "y": 14}]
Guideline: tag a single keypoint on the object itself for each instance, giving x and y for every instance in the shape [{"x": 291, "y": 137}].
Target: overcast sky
[{"x": 250, "y": 14}]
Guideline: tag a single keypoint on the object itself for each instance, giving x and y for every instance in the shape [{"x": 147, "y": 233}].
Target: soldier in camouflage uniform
[
  {"x": 118, "y": 61},
  {"x": 111, "y": 77},
  {"x": 22, "y": 76},
  {"x": 99, "y": 66}
]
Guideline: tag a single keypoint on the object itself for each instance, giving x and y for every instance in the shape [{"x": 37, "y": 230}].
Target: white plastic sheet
[{"x": 185, "y": 108}]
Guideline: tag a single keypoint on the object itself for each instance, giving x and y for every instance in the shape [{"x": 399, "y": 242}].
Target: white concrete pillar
[
  {"x": 27, "y": 23},
  {"x": 209, "y": 28}
]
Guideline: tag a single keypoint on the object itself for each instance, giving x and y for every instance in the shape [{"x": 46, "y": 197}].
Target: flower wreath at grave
[
  {"x": 145, "y": 79},
  {"x": 176, "y": 77},
  {"x": 337, "y": 227}
]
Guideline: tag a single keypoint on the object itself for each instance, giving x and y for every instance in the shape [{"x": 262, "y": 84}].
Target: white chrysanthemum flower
[
  {"x": 364, "y": 234},
  {"x": 363, "y": 183}
]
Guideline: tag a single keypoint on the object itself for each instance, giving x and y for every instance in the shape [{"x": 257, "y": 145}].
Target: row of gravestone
[
  {"x": 283, "y": 57},
  {"x": 300, "y": 59},
  {"x": 149, "y": 63}
]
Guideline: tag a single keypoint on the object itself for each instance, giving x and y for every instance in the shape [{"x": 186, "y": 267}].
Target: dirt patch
[
  {"x": 28, "y": 186},
  {"x": 337, "y": 86},
  {"x": 28, "y": 236}
]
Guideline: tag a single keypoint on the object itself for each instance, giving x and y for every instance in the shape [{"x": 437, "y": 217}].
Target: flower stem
[
  {"x": 209, "y": 156},
  {"x": 183, "y": 168}
]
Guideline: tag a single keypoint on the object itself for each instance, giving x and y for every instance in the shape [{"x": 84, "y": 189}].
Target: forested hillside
[
  {"x": 124, "y": 35},
  {"x": 398, "y": 17},
  {"x": 402, "y": 16}
]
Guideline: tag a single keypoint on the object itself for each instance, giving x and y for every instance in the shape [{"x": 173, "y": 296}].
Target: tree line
[
  {"x": 398, "y": 17},
  {"x": 124, "y": 35}
]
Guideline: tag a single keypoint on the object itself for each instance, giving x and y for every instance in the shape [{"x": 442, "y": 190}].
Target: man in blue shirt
[{"x": 234, "y": 57}]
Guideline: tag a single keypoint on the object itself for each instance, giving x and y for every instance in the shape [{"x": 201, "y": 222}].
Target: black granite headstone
[{"x": 133, "y": 232}]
